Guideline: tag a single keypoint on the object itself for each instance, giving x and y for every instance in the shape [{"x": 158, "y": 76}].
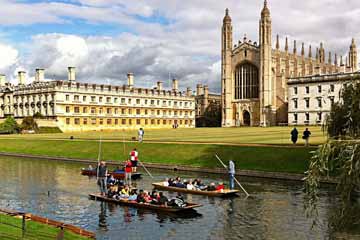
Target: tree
[
  {"x": 9, "y": 126},
  {"x": 29, "y": 123},
  {"x": 212, "y": 115},
  {"x": 339, "y": 157}
]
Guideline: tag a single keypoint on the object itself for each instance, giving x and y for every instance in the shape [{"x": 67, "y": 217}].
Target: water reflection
[
  {"x": 102, "y": 216},
  {"x": 273, "y": 211}
]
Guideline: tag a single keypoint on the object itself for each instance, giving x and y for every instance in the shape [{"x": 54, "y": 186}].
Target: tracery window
[{"x": 246, "y": 81}]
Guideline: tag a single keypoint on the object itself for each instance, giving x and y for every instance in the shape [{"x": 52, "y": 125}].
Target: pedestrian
[
  {"x": 141, "y": 134},
  {"x": 134, "y": 159},
  {"x": 101, "y": 175},
  {"x": 306, "y": 136},
  {"x": 231, "y": 174},
  {"x": 294, "y": 135},
  {"x": 128, "y": 170}
]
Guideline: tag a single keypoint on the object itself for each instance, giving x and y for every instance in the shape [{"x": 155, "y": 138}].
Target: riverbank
[
  {"x": 13, "y": 226},
  {"x": 254, "y": 158}
]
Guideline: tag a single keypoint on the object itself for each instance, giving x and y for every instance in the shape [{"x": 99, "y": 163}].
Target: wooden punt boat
[
  {"x": 225, "y": 193},
  {"x": 117, "y": 174},
  {"x": 189, "y": 207}
]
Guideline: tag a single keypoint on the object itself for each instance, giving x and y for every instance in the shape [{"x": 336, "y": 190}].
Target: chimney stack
[
  {"x": 175, "y": 85},
  {"x": 160, "y": 86},
  {"x": 2, "y": 80},
  {"x": 71, "y": 74},
  {"x": 188, "y": 92},
  {"x": 206, "y": 96},
  {"x": 199, "y": 90},
  {"x": 39, "y": 75},
  {"x": 130, "y": 77},
  {"x": 21, "y": 77}
]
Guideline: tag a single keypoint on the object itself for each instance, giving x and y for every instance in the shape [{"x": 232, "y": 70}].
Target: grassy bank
[
  {"x": 243, "y": 135},
  {"x": 263, "y": 158},
  {"x": 10, "y": 228}
]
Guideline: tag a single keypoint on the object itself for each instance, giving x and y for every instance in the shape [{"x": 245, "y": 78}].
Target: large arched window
[{"x": 246, "y": 81}]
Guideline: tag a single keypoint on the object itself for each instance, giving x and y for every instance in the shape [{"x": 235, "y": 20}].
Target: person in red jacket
[
  {"x": 128, "y": 170},
  {"x": 220, "y": 187}
]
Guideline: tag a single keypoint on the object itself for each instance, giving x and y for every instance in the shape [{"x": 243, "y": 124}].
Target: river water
[{"x": 57, "y": 190}]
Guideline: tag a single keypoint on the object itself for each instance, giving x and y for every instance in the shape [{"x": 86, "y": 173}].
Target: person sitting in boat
[
  {"x": 90, "y": 168},
  {"x": 178, "y": 201},
  {"x": 163, "y": 201},
  {"x": 155, "y": 197},
  {"x": 201, "y": 185},
  {"x": 118, "y": 169},
  {"x": 179, "y": 184},
  {"x": 125, "y": 192},
  {"x": 147, "y": 197},
  {"x": 112, "y": 192},
  {"x": 111, "y": 181},
  {"x": 166, "y": 182},
  {"x": 140, "y": 197},
  {"x": 171, "y": 182},
  {"x": 190, "y": 186},
  {"x": 133, "y": 195},
  {"x": 220, "y": 187},
  {"x": 212, "y": 187}
]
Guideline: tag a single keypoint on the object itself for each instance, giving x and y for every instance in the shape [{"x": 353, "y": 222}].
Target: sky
[{"x": 157, "y": 40}]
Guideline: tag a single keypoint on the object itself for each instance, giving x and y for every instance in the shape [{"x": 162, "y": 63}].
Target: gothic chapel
[{"x": 254, "y": 75}]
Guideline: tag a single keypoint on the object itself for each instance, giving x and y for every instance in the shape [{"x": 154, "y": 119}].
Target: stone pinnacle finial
[
  {"x": 277, "y": 42},
  {"x": 341, "y": 61},
  {"x": 286, "y": 44},
  {"x": 329, "y": 59},
  {"x": 310, "y": 51},
  {"x": 227, "y": 18},
  {"x": 295, "y": 50},
  {"x": 302, "y": 49},
  {"x": 245, "y": 38},
  {"x": 265, "y": 12},
  {"x": 335, "y": 61},
  {"x": 317, "y": 54}
]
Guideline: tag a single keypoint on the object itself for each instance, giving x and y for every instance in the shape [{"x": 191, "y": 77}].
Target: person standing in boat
[
  {"x": 231, "y": 174},
  {"x": 101, "y": 175},
  {"x": 128, "y": 170},
  {"x": 134, "y": 159}
]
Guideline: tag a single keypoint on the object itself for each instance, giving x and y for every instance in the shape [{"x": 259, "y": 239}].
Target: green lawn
[
  {"x": 10, "y": 228},
  {"x": 264, "y": 158},
  {"x": 244, "y": 135}
]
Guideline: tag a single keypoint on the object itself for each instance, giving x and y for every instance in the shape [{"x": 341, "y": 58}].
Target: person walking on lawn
[
  {"x": 294, "y": 135},
  {"x": 306, "y": 136}
]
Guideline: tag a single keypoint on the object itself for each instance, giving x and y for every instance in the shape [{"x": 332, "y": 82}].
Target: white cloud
[
  {"x": 9, "y": 56},
  {"x": 188, "y": 47}
]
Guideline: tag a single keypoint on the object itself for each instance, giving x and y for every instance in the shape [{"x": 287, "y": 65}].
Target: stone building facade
[
  {"x": 206, "y": 101},
  {"x": 311, "y": 97},
  {"x": 77, "y": 106},
  {"x": 254, "y": 75}
]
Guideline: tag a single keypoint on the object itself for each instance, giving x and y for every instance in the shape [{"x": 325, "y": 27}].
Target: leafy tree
[
  {"x": 338, "y": 158},
  {"x": 29, "y": 123},
  {"x": 9, "y": 126},
  {"x": 212, "y": 115}
]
